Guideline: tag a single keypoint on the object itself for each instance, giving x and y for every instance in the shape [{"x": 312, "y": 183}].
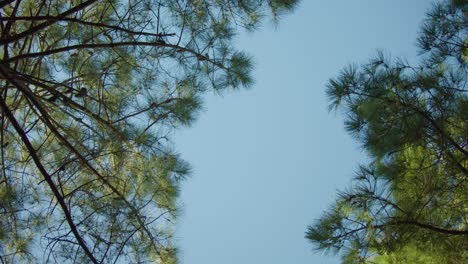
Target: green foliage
[
  {"x": 409, "y": 204},
  {"x": 89, "y": 94}
]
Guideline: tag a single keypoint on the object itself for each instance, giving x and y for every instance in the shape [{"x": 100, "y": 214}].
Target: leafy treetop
[
  {"x": 89, "y": 93},
  {"x": 408, "y": 205}
]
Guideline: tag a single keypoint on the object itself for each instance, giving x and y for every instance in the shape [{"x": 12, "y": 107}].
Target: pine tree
[
  {"x": 409, "y": 204},
  {"x": 90, "y": 92}
]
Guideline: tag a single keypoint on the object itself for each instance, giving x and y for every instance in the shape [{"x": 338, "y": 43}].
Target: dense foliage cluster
[
  {"x": 89, "y": 93},
  {"x": 410, "y": 203}
]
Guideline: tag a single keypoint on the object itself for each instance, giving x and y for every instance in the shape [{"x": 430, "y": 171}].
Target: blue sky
[{"x": 268, "y": 160}]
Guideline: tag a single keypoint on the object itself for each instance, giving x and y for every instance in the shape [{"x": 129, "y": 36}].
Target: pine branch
[
  {"x": 43, "y": 171},
  {"x": 41, "y": 26}
]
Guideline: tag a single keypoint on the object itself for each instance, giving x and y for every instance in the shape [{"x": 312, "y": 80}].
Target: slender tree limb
[
  {"x": 79, "y": 21},
  {"x": 427, "y": 226},
  {"x": 100, "y": 46}
]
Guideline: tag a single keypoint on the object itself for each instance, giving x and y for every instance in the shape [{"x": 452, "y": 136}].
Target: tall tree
[
  {"x": 410, "y": 203},
  {"x": 89, "y": 93}
]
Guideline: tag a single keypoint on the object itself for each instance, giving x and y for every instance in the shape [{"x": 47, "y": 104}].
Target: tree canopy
[
  {"x": 90, "y": 92},
  {"x": 409, "y": 203}
]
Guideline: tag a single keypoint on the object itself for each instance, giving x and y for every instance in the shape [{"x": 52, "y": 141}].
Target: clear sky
[{"x": 268, "y": 160}]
